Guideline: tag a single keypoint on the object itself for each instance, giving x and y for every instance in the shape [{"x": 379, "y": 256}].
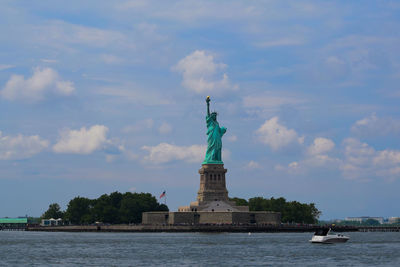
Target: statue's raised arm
[
  {"x": 208, "y": 105},
  {"x": 214, "y": 137}
]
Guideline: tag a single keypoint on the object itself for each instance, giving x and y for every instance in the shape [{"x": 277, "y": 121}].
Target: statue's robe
[{"x": 214, "y": 140}]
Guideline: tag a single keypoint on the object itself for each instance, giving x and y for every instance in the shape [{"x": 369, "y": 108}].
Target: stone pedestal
[
  {"x": 212, "y": 195},
  {"x": 212, "y": 183}
]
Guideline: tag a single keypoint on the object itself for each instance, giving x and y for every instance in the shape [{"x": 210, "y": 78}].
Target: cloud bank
[
  {"x": 82, "y": 141},
  {"x": 373, "y": 126},
  {"x": 20, "y": 146},
  {"x": 201, "y": 74},
  {"x": 164, "y": 152},
  {"x": 276, "y": 135},
  {"x": 42, "y": 82},
  {"x": 321, "y": 146}
]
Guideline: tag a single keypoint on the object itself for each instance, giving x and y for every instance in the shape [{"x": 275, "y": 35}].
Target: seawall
[{"x": 188, "y": 228}]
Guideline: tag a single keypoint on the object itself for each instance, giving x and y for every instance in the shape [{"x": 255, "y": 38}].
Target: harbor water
[{"x": 20, "y": 248}]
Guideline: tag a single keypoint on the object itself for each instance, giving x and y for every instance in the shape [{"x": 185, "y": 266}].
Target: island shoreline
[{"x": 206, "y": 228}]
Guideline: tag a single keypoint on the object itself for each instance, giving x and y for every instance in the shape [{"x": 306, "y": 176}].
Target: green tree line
[
  {"x": 114, "y": 208},
  {"x": 291, "y": 211}
]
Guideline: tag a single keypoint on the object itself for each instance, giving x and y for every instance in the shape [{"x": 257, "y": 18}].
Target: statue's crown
[{"x": 214, "y": 113}]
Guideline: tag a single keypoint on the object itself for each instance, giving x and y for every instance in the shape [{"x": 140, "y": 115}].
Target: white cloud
[
  {"x": 164, "y": 152},
  {"x": 293, "y": 165},
  {"x": 387, "y": 157},
  {"x": 311, "y": 163},
  {"x": 202, "y": 74},
  {"x": 322, "y": 160},
  {"x": 321, "y": 146},
  {"x": 83, "y": 141},
  {"x": 358, "y": 158},
  {"x": 373, "y": 126},
  {"x": 365, "y": 121},
  {"x": 358, "y": 153},
  {"x": 357, "y": 161},
  {"x": 35, "y": 88},
  {"x": 316, "y": 157},
  {"x": 20, "y": 146},
  {"x": 165, "y": 128},
  {"x": 364, "y": 162},
  {"x": 276, "y": 135}
]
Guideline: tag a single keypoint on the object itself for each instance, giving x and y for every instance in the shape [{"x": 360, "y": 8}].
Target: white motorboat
[{"x": 325, "y": 236}]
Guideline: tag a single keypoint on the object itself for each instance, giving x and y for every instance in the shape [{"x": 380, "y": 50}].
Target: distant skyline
[{"x": 103, "y": 96}]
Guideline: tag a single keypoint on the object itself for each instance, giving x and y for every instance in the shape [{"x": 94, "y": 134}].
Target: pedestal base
[
  {"x": 210, "y": 218},
  {"x": 212, "y": 195}
]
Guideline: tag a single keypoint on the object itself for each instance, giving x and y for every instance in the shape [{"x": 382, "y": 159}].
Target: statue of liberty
[{"x": 214, "y": 139}]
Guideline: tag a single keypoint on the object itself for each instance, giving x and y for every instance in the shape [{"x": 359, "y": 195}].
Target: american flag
[{"x": 163, "y": 194}]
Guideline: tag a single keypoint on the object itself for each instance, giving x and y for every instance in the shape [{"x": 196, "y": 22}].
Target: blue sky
[{"x": 99, "y": 96}]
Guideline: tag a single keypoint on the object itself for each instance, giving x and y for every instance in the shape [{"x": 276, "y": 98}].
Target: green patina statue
[{"x": 214, "y": 139}]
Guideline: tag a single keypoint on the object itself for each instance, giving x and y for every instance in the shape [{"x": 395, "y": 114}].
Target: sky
[{"x": 103, "y": 96}]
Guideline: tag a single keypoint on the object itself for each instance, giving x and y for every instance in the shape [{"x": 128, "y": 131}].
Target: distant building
[
  {"x": 394, "y": 220},
  {"x": 364, "y": 218},
  {"x": 13, "y": 223},
  {"x": 51, "y": 222}
]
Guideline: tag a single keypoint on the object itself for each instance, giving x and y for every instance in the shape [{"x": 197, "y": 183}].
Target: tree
[
  {"x": 258, "y": 204},
  {"x": 79, "y": 211},
  {"x": 114, "y": 208},
  {"x": 105, "y": 209},
  {"x": 290, "y": 211},
  {"x": 53, "y": 212},
  {"x": 239, "y": 201},
  {"x": 134, "y": 204}
]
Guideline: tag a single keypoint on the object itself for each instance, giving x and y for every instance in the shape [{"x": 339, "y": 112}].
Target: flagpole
[{"x": 164, "y": 195}]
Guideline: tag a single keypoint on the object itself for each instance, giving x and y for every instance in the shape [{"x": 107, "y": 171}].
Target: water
[{"x": 194, "y": 249}]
